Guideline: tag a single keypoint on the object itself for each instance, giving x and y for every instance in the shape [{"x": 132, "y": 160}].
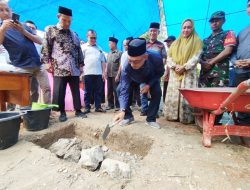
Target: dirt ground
[{"x": 170, "y": 158}]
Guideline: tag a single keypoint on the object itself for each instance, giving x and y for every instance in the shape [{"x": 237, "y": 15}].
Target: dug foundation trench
[{"x": 121, "y": 141}]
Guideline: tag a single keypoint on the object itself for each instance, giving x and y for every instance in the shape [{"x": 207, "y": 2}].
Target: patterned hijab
[{"x": 183, "y": 49}]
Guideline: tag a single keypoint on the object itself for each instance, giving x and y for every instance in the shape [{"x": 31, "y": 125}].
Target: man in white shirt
[{"x": 94, "y": 72}]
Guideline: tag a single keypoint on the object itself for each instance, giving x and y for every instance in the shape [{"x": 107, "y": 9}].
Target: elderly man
[
  {"x": 153, "y": 45},
  {"x": 94, "y": 71},
  {"x": 241, "y": 61},
  {"x": 61, "y": 48},
  {"x": 19, "y": 41},
  {"x": 142, "y": 67},
  {"x": 217, "y": 50},
  {"x": 113, "y": 64}
]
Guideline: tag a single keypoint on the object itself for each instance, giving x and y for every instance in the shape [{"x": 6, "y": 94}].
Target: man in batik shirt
[
  {"x": 216, "y": 54},
  {"x": 61, "y": 48}
]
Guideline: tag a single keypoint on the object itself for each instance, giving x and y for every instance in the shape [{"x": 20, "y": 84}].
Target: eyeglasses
[
  {"x": 135, "y": 61},
  {"x": 93, "y": 38}
]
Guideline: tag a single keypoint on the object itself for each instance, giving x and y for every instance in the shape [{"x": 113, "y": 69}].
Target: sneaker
[
  {"x": 100, "y": 110},
  {"x": 126, "y": 121},
  {"x": 86, "y": 111},
  {"x": 63, "y": 117},
  {"x": 143, "y": 113},
  {"x": 79, "y": 113},
  {"x": 153, "y": 125}
]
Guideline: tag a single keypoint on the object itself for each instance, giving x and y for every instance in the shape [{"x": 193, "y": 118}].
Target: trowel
[{"x": 107, "y": 129}]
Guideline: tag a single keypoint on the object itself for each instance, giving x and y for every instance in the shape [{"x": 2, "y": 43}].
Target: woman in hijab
[{"x": 182, "y": 58}]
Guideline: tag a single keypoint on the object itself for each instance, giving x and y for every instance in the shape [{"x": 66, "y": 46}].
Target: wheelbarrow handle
[{"x": 242, "y": 87}]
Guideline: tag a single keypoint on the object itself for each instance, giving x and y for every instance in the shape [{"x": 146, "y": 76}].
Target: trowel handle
[{"x": 113, "y": 124}]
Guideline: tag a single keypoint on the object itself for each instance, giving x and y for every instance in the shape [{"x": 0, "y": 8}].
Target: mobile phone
[{"x": 15, "y": 17}]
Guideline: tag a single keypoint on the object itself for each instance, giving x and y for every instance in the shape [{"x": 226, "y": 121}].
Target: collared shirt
[
  {"x": 22, "y": 51},
  {"x": 158, "y": 47},
  {"x": 113, "y": 61},
  {"x": 149, "y": 73},
  {"x": 243, "y": 49},
  {"x": 93, "y": 58},
  {"x": 62, "y": 48},
  {"x": 124, "y": 58}
]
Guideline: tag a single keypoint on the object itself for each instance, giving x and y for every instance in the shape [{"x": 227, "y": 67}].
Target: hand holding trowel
[{"x": 119, "y": 117}]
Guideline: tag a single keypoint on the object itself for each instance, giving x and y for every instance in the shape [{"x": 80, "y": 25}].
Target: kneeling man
[{"x": 143, "y": 67}]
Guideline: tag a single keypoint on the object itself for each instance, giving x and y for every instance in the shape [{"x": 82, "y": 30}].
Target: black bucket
[
  {"x": 9, "y": 128},
  {"x": 36, "y": 120}
]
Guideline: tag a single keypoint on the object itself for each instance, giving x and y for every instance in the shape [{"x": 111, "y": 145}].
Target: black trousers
[
  {"x": 92, "y": 100},
  {"x": 112, "y": 93},
  {"x": 93, "y": 87},
  {"x": 60, "y": 84},
  {"x": 243, "y": 118},
  {"x": 165, "y": 87}
]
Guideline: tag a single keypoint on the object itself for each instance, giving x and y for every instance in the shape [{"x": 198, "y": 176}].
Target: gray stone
[
  {"x": 73, "y": 154},
  {"x": 68, "y": 149},
  {"x": 91, "y": 158},
  {"x": 60, "y": 147},
  {"x": 116, "y": 169}
]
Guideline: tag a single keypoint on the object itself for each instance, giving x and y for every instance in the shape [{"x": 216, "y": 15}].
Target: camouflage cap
[{"x": 217, "y": 15}]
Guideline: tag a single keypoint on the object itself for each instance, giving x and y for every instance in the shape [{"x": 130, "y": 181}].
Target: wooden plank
[{"x": 14, "y": 88}]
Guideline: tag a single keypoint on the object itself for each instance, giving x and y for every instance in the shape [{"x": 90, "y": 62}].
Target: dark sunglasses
[{"x": 92, "y": 38}]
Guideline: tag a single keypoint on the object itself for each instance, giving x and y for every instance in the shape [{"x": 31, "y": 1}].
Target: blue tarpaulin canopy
[
  {"x": 108, "y": 18},
  {"x": 131, "y": 17},
  {"x": 200, "y": 11}
]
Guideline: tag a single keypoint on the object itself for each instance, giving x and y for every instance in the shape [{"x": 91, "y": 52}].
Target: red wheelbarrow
[{"x": 209, "y": 99}]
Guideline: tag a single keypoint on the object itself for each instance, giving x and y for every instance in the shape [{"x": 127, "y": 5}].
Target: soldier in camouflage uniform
[{"x": 216, "y": 53}]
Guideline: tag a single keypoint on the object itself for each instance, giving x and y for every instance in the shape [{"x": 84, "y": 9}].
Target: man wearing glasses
[
  {"x": 94, "y": 72},
  {"x": 142, "y": 67}
]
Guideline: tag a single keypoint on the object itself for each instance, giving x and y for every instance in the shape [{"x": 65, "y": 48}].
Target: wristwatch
[{"x": 122, "y": 110}]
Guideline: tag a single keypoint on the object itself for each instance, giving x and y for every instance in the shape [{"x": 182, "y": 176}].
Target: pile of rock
[{"x": 95, "y": 158}]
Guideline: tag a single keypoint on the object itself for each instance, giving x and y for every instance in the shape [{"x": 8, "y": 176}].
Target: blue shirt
[
  {"x": 150, "y": 73},
  {"x": 243, "y": 49},
  {"x": 22, "y": 50}
]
